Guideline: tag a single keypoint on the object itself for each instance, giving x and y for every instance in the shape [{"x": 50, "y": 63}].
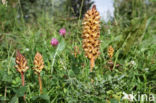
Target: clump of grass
[
  {"x": 39, "y": 65},
  {"x": 21, "y": 66},
  {"x": 91, "y": 34}
]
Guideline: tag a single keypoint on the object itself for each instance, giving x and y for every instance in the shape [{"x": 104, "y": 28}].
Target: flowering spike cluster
[
  {"x": 91, "y": 34},
  {"x": 38, "y": 62},
  {"x": 21, "y": 63},
  {"x": 110, "y": 52}
]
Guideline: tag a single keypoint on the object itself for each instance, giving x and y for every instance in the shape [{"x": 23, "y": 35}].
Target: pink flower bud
[
  {"x": 62, "y": 32},
  {"x": 54, "y": 42}
]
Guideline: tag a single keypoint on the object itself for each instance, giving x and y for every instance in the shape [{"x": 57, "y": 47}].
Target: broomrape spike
[
  {"x": 21, "y": 66},
  {"x": 91, "y": 34},
  {"x": 39, "y": 65},
  {"x": 110, "y": 52}
]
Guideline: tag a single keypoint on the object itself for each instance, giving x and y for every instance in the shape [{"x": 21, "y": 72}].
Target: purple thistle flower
[
  {"x": 62, "y": 32},
  {"x": 54, "y": 42}
]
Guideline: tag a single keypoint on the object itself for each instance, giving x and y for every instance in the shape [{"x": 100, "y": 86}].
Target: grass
[{"x": 66, "y": 78}]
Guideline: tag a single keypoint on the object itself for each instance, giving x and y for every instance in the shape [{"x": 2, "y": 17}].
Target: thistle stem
[
  {"x": 22, "y": 78},
  {"x": 91, "y": 64},
  {"x": 40, "y": 82}
]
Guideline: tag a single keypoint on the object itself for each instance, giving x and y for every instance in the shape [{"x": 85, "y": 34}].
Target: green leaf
[
  {"x": 14, "y": 99},
  {"x": 7, "y": 78},
  {"x": 61, "y": 45},
  {"x": 114, "y": 101},
  {"x": 44, "y": 97},
  {"x": 20, "y": 92}
]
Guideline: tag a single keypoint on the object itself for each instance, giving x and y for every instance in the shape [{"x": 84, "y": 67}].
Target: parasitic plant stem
[
  {"x": 22, "y": 78},
  {"x": 40, "y": 82},
  {"x": 91, "y": 64}
]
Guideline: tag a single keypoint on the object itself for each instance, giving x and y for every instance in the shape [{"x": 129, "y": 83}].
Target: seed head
[
  {"x": 38, "y": 62},
  {"x": 21, "y": 62}
]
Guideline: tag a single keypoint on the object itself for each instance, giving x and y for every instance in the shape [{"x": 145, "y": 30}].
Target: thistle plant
[
  {"x": 39, "y": 65},
  {"x": 91, "y": 34},
  {"x": 21, "y": 66}
]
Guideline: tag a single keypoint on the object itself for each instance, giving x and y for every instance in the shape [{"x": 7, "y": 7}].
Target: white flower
[
  {"x": 132, "y": 63},
  {"x": 26, "y": 49},
  {"x": 128, "y": 96},
  {"x": 146, "y": 69},
  {"x": 4, "y": 2}
]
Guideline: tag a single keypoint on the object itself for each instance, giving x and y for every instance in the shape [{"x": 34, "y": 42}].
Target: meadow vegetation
[{"x": 66, "y": 76}]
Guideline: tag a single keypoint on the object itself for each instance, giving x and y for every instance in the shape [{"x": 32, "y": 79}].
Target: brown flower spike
[
  {"x": 21, "y": 62},
  {"x": 39, "y": 65},
  {"x": 21, "y": 66},
  {"x": 38, "y": 62},
  {"x": 91, "y": 34},
  {"x": 110, "y": 52}
]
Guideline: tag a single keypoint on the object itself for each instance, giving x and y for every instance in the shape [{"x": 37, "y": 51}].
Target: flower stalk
[
  {"x": 22, "y": 78},
  {"x": 40, "y": 82}
]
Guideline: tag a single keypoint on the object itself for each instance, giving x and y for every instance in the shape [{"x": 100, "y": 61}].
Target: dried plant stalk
[
  {"x": 21, "y": 66},
  {"x": 39, "y": 65},
  {"x": 91, "y": 34},
  {"x": 76, "y": 51},
  {"x": 110, "y": 52}
]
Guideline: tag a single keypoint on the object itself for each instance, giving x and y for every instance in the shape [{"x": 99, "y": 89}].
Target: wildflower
[
  {"x": 133, "y": 63},
  {"x": 4, "y": 2},
  {"x": 38, "y": 62},
  {"x": 21, "y": 66},
  {"x": 26, "y": 49},
  {"x": 91, "y": 34},
  {"x": 110, "y": 52},
  {"x": 62, "y": 32},
  {"x": 54, "y": 42},
  {"x": 21, "y": 63},
  {"x": 39, "y": 65}
]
